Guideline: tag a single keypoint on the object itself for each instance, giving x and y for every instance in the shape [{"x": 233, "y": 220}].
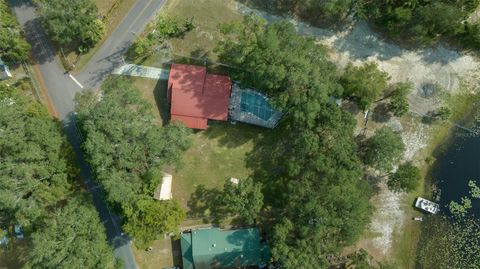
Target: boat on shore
[{"x": 426, "y": 205}]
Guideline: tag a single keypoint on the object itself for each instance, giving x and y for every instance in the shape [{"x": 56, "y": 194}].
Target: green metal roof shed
[{"x": 214, "y": 248}]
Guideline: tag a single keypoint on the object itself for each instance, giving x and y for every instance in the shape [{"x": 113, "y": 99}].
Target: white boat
[{"x": 427, "y": 205}]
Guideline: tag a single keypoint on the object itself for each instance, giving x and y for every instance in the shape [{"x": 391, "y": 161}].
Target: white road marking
[{"x": 76, "y": 81}]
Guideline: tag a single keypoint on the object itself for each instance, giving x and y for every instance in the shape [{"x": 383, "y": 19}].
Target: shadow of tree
[
  {"x": 440, "y": 54},
  {"x": 263, "y": 160},
  {"x": 38, "y": 38},
  {"x": 381, "y": 113},
  {"x": 233, "y": 136},
  {"x": 206, "y": 204},
  {"x": 160, "y": 94},
  {"x": 176, "y": 252}
]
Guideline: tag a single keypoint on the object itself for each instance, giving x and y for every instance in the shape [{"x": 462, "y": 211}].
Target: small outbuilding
[
  {"x": 208, "y": 248},
  {"x": 164, "y": 189}
]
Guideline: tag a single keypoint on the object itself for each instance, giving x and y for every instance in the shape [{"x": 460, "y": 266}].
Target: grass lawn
[
  {"x": 405, "y": 241},
  {"x": 207, "y": 14},
  {"x": 199, "y": 43},
  {"x": 155, "y": 92},
  {"x": 114, "y": 11},
  {"x": 164, "y": 253},
  {"x": 217, "y": 154}
]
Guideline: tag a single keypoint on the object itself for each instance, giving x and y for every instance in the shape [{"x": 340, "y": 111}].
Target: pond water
[{"x": 457, "y": 165}]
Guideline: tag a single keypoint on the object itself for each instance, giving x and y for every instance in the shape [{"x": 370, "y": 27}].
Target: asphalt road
[{"x": 62, "y": 88}]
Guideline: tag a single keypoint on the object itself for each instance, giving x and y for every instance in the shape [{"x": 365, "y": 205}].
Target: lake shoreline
[{"x": 442, "y": 140}]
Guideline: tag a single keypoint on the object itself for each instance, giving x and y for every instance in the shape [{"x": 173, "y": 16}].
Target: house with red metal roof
[{"x": 196, "y": 96}]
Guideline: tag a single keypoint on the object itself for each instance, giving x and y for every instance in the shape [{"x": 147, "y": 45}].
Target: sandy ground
[
  {"x": 433, "y": 68},
  {"x": 389, "y": 215}
]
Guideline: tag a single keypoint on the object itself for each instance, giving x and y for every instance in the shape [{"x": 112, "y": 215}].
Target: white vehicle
[
  {"x": 18, "y": 231},
  {"x": 427, "y": 205}
]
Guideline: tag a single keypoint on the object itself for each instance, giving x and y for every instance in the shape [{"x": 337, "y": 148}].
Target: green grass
[
  {"x": 217, "y": 154},
  {"x": 405, "y": 241},
  {"x": 155, "y": 92},
  {"x": 220, "y": 152}
]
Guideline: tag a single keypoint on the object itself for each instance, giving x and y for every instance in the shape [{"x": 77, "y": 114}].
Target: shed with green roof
[{"x": 214, "y": 248}]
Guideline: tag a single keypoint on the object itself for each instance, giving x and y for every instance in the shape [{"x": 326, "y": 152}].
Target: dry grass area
[{"x": 199, "y": 43}]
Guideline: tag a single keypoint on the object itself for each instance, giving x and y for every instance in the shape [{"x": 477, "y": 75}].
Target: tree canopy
[
  {"x": 365, "y": 83},
  {"x": 383, "y": 149},
  {"x": 313, "y": 11},
  {"x": 406, "y": 178},
  {"x": 273, "y": 58},
  {"x": 74, "y": 24},
  {"x": 13, "y": 47},
  {"x": 398, "y": 104},
  {"x": 37, "y": 188},
  {"x": 148, "y": 219},
  {"x": 72, "y": 237},
  {"x": 424, "y": 22},
  {"x": 323, "y": 203},
  {"x": 310, "y": 170},
  {"x": 126, "y": 150},
  {"x": 244, "y": 199},
  {"x": 416, "y": 21},
  {"x": 34, "y": 169}
]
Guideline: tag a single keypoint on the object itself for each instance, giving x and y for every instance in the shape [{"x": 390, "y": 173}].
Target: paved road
[
  {"x": 109, "y": 56},
  {"x": 62, "y": 88}
]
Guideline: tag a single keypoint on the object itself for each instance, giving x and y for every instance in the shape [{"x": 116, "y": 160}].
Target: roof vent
[{"x": 214, "y": 245}]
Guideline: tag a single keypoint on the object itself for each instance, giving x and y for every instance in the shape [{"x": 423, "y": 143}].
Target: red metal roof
[
  {"x": 195, "y": 94},
  {"x": 191, "y": 122}
]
